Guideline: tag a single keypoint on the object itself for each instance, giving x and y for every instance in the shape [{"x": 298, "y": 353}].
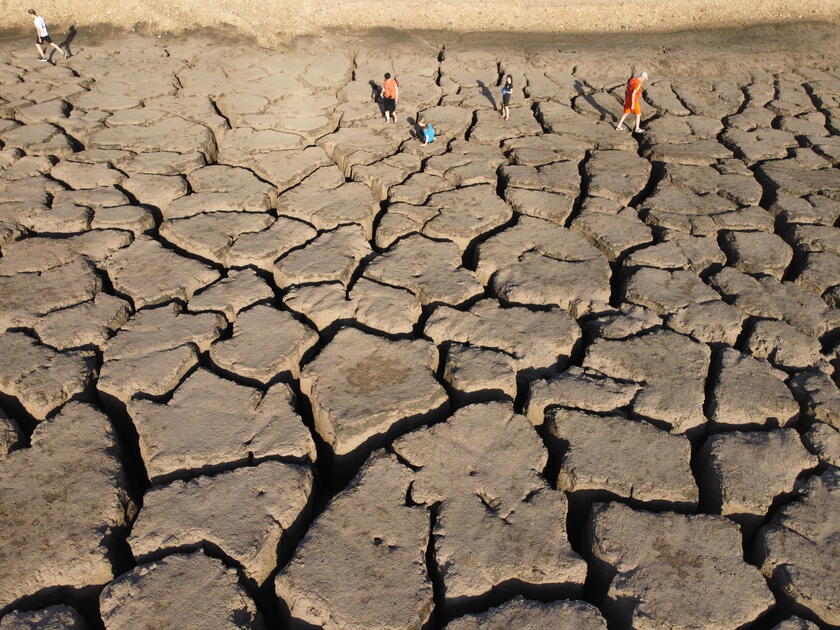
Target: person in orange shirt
[
  {"x": 390, "y": 96},
  {"x": 632, "y": 102}
]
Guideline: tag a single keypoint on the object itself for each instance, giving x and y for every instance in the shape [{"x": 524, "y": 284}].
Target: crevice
[
  {"x": 769, "y": 192},
  {"x": 771, "y": 618},
  {"x": 25, "y": 422},
  {"x": 556, "y": 449},
  {"x": 524, "y": 382},
  {"x": 471, "y": 126},
  {"x": 206, "y": 362},
  {"x": 211, "y": 470},
  {"x": 618, "y": 281},
  {"x": 584, "y": 189},
  {"x": 429, "y": 308},
  {"x": 507, "y": 590},
  {"x": 185, "y": 253},
  {"x": 129, "y": 441},
  {"x": 752, "y": 524},
  {"x": 469, "y": 258},
  {"x": 656, "y": 177},
  {"x": 437, "y": 620},
  {"x": 328, "y": 333}
]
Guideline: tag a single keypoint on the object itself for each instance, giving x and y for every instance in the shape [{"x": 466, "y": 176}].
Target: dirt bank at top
[{"x": 280, "y": 19}]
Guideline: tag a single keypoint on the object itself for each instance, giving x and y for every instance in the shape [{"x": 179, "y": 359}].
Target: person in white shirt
[{"x": 43, "y": 36}]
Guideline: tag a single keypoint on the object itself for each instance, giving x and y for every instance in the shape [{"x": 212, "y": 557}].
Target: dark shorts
[
  {"x": 44, "y": 40},
  {"x": 505, "y": 99},
  {"x": 389, "y": 104}
]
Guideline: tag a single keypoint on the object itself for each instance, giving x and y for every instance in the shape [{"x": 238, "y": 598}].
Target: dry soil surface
[{"x": 268, "y": 361}]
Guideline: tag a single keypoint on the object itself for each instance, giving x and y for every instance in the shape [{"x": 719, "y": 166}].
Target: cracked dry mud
[{"x": 267, "y": 362}]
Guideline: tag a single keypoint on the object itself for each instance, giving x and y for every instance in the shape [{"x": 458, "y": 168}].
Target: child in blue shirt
[{"x": 428, "y": 132}]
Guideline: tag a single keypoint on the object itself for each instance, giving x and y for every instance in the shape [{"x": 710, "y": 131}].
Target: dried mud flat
[{"x": 270, "y": 363}]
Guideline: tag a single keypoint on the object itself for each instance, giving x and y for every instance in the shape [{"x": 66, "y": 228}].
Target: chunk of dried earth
[
  {"x": 366, "y": 535},
  {"x": 266, "y": 342},
  {"x": 613, "y": 234},
  {"x": 478, "y": 374},
  {"x": 88, "y": 323},
  {"x": 665, "y": 570},
  {"x": 537, "y": 340},
  {"x": 325, "y": 201},
  {"x": 191, "y": 590},
  {"x": 329, "y": 256},
  {"x": 382, "y": 307},
  {"x": 363, "y": 387},
  {"x": 38, "y": 376},
  {"x": 672, "y": 369},
  {"x": 539, "y": 262},
  {"x": 212, "y": 423},
  {"x": 155, "y": 350},
  {"x": 161, "y": 329},
  {"x": 244, "y": 512},
  {"x": 151, "y": 274},
  {"x": 578, "y": 389},
  {"x": 623, "y": 458},
  {"x": 230, "y": 295},
  {"x": 742, "y": 473},
  {"x": 58, "y": 617},
  {"x": 617, "y": 175},
  {"x": 498, "y": 519},
  {"x": 797, "y": 549},
  {"x": 818, "y": 395},
  {"x": 70, "y": 468},
  {"x": 766, "y": 297},
  {"x": 758, "y": 252},
  {"x": 666, "y": 292},
  {"x": 525, "y": 614},
  {"x": 430, "y": 269},
  {"x": 710, "y": 322},
  {"x": 824, "y": 441},
  {"x": 783, "y": 346},
  {"x": 40, "y": 254},
  {"x": 747, "y": 391},
  {"x": 261, "y": 249},
  {"x": 210, "y": 235},
  {"x": 459, "y": 216}
]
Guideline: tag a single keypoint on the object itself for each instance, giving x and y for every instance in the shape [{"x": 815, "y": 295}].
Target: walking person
[
  {"x": 632, "y": 102},
  {"x": 428, "y": 131},
  {"x": 507, "y": 90},
  {"x": 43, "y": 36},
  {"x": 390, "y": 96}
]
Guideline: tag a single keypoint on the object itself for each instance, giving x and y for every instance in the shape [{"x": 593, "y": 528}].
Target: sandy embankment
[{"x": 275, "y": 20}]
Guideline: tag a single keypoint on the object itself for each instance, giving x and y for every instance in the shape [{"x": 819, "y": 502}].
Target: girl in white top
[{"x": 43, "y": 36}]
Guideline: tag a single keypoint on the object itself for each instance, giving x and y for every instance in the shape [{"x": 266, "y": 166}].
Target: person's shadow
[
  {"x": 416, "y": 129},
  {"x": 376, "y": 96},
  {"x": 487, "y": 93},
  {"x": 605, "y": 113},
  {"x": 68, "y": 39}
]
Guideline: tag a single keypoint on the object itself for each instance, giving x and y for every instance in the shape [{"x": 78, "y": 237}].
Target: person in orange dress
[
  {"x": 390, "y": 95},
  {"x": 633, "y": 101}
]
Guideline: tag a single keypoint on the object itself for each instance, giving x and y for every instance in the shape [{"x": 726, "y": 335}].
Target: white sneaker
[
  {"x": 66, "y": 55},
  {"x": 42, "y": 59}
]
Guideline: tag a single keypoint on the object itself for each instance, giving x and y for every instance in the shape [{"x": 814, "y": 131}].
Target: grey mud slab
[{"x": 267, "y": 361}]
